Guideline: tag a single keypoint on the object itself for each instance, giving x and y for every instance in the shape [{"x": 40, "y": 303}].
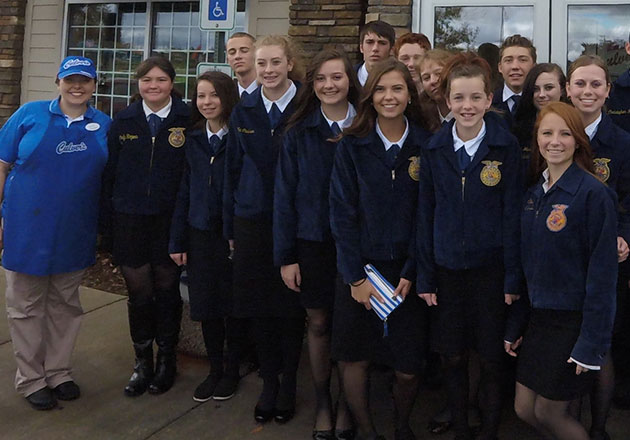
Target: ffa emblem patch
[
  {"x": 176, "y": 138},
  {"x": 602, "y": 171},
  {"x": 490, "y": 174},
  {"x": 557, "y": 219},
  {"x": 414, "y": 168}
]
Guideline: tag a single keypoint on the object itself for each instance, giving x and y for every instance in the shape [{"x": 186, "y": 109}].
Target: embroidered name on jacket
[{"x": 69, "y": 147}]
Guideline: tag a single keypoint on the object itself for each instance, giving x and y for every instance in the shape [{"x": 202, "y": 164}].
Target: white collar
[
  {"x": 362, "y": 74},
  {"x": 388, "y": 144},
  {"x": 472, "y": 145},
  {"x": 446, "y": 118},
  {"x": 508, "y": 93},
  {"x": 545, "y": 184},
  {"x": 283, "y": 101},
  {"x": 345, "y": 122},
  {"x": 591, "y": 129},
  {"x": 222, "y": 132},
  {"x": 162, "y": 113},
  {"x": 249, "y": 89},
  {"x": 70, "y": 120}
]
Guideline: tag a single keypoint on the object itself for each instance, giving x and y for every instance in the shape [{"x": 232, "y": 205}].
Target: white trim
[{"x": 423, "y": 18}]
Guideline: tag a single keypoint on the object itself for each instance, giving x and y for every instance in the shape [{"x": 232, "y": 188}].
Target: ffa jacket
[
  {"x": 469, "y": 219},
  {"x": 372, "y": 206},
  {"x": 199, "y": 201},
  {"x": 619, "y": 102},
  {"x": 611, "y": 157},
  {"x": 497, "y": 103},
  {"x": 251, "y": 156},
  {"x": 569, "y": 251},
  {"x": 302, "y": 187},
  {"x": 142, "y": 176}
]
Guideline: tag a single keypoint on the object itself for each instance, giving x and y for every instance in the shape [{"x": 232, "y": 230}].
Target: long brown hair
[
  {"x": 582, "y": 156},
  {"x": 364, "y": 122},
  {"x": 306, "y": 101},
  {"x": 226, "y": 91}
]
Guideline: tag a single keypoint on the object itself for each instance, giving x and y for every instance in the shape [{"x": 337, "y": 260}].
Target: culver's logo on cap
[
  {"x": 69, "y": 147},
  {"x": 76, "y": 65},
  {"x": 76, "y": 62}
]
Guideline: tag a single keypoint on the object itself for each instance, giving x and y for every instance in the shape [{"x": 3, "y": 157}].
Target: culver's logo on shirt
[{"x": 69, "y": 147}]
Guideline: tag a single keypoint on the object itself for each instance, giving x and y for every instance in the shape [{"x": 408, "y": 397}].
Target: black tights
[
  {"x": 149, "y": 283},
  {"x": 279, "y": 346},
  {"x": 215, "y": 331},
  {"x": 356, "y": 388},
  {"x": 490, "y": 396}
]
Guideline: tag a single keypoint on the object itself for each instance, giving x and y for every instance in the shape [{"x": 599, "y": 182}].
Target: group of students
[{"x": 484, "y": 209}]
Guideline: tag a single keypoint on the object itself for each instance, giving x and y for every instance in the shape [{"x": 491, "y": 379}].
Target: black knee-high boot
[
  {"x": 142, "y": 333},
  {"x": 168, "y": 321}
]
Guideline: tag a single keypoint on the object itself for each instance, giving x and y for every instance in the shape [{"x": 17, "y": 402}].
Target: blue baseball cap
[{"x": 77, "y": 66}]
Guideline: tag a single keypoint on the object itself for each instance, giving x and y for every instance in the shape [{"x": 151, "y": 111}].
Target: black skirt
[
  {"x": 542, "y": 360},
  {"x": 141, "y": 239},
  {"x": 358, "y": 334},
  {"x": 209, "y": 274},
  {"x": 318, "y": 269},
  {"x": 259, "y": 291}
]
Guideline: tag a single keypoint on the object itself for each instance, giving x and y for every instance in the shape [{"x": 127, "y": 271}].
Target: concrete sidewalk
[{"x": 103, "y": 361}]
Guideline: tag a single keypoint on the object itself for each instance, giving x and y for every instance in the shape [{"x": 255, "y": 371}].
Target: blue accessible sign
[{"x": 217, "y": 15}]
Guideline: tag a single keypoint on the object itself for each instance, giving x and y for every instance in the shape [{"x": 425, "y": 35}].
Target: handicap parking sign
[
  {"x": 217, "y": 12},
  {"x": 217, "y": 15}
]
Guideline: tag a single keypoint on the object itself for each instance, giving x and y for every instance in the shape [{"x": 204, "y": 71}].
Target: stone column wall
[
  {"x": 12, "y": 14},
  {"x": 395, "y": 12},
  {"x": 320, "y": 24}
]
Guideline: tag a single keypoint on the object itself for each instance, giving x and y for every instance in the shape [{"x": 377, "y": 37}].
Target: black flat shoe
[
  {"x": 42, "y": 400},
  {"x": 282, "y": 416},
  {"x": 67, "y": 391},
  {"x": 263, "y": 416},
  {"x": 324, "y": 435},
  {"x": 346, "y": 434},
  {"x": 435, "y": 427}
]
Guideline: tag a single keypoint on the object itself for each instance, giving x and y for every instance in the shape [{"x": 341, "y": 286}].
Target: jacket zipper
[
  {"x": 391, "y": 238},
  {"x": 151, "y": 164},
  {"x": 210, "y": 176}
]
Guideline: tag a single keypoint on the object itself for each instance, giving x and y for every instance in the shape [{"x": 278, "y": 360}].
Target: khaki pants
[{"x": 44, "y": 315}]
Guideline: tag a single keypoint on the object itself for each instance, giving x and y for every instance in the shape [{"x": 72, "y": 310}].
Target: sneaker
[
  {"x": 205, "y": 390},
  {"x": 67, "y": 391},
  {"x": 42, "y": 399},
  {"x": 226, "y": 387}
]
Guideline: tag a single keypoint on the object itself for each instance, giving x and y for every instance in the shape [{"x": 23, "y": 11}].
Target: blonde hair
[{"x": 290, "y": 50}]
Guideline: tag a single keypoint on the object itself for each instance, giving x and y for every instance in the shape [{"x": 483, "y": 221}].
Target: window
[{"x": 118, "y": 36}]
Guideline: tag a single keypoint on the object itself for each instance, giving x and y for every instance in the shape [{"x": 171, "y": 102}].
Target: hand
[
  {"x": 578, "y": 368},
  {"x": 362, "y": 293},
  {"x": 291, "y": 276},
  {"x": 622, "y": 250},
  {"x": 179, "y": 258},
  {"x": 511, "y": 299},
  {"x": 231, "y": 254},
  {"x": 511, "y": 347},
  {"x": 403, "y": 288},
  {"x": 429, "y": 298}
]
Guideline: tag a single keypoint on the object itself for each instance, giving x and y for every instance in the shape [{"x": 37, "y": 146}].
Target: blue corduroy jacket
[
  {"x": 569, "y": 251},
  {"x": 199, "y": 201},
  {"x": 302, "y": 186},
  {"x": 462, "y": 222},
  {"x": 372, "y": 206},
  {"x": 250, "y": 161}
]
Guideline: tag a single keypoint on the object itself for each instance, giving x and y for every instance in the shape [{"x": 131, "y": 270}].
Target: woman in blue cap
[{"x": 52, "y": 154}]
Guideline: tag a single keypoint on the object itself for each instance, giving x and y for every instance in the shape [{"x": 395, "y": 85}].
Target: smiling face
[
  {"x": 331, "y": 84},
  {"x": 555, "y": 141},
  {"x": 374, "y": 49},
  {"x": 208, "y": 102},
  {"x": 468, "y": 101},
  {"x": 76, "y": 90},
  {"x": 272, "y": 67},
  {"x": 391, "y": 95},
  {"x": 409, "y": 54},
  {"x": 430, "y": 76},
  {"x": 155, "y": 88},
  {"x": 514, "y": 66},
  {"x": 588, "y": 90},
  {"x": 240, "y": 55},
  {"x": 547, "y": 89}
]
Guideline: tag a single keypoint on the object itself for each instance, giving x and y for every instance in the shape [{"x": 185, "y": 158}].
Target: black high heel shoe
[{"x": 262, "y": 415}]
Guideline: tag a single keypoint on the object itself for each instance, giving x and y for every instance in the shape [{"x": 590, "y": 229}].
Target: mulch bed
[{"x": 104, "y": 275}]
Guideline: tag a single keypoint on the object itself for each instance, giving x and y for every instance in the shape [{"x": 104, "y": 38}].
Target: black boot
[
  {"x": 169, "y": 317},
  {"x": 142, "y": 334}
]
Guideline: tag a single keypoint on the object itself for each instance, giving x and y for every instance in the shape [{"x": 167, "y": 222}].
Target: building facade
[{"x": 36, "y": 34}]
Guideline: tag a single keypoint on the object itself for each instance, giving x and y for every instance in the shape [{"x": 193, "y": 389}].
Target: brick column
[
  {"x": 12, "y": 14},
  {"x": 320, "y": 24},
  {"x": 395, "y": 12}
]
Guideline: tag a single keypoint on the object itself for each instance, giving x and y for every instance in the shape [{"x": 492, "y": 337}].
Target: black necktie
[
  {"x": 274, "y": 116},
  {"x": 214, "y": 141},
  {"x": 154, "y": 124},
  {"x": 516, "y": 99},
  {"x": 391, "y": 154},
  {"x": 463, "y": 158},
  {"x": 335, "y": 129}
]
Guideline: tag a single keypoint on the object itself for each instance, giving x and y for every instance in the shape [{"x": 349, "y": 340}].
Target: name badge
[{"x": 92, "y": 126}]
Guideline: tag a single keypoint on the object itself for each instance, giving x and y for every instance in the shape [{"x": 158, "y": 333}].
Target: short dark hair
[
  {"x": 242, "y": 35},
  {"x": 520, "y": 41},
  {"x": 411, "y": 38},
  {"x": 160, "y": 62},
  {"x": 380, "y": 28},
  {"x": 226, "y": 91}
]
